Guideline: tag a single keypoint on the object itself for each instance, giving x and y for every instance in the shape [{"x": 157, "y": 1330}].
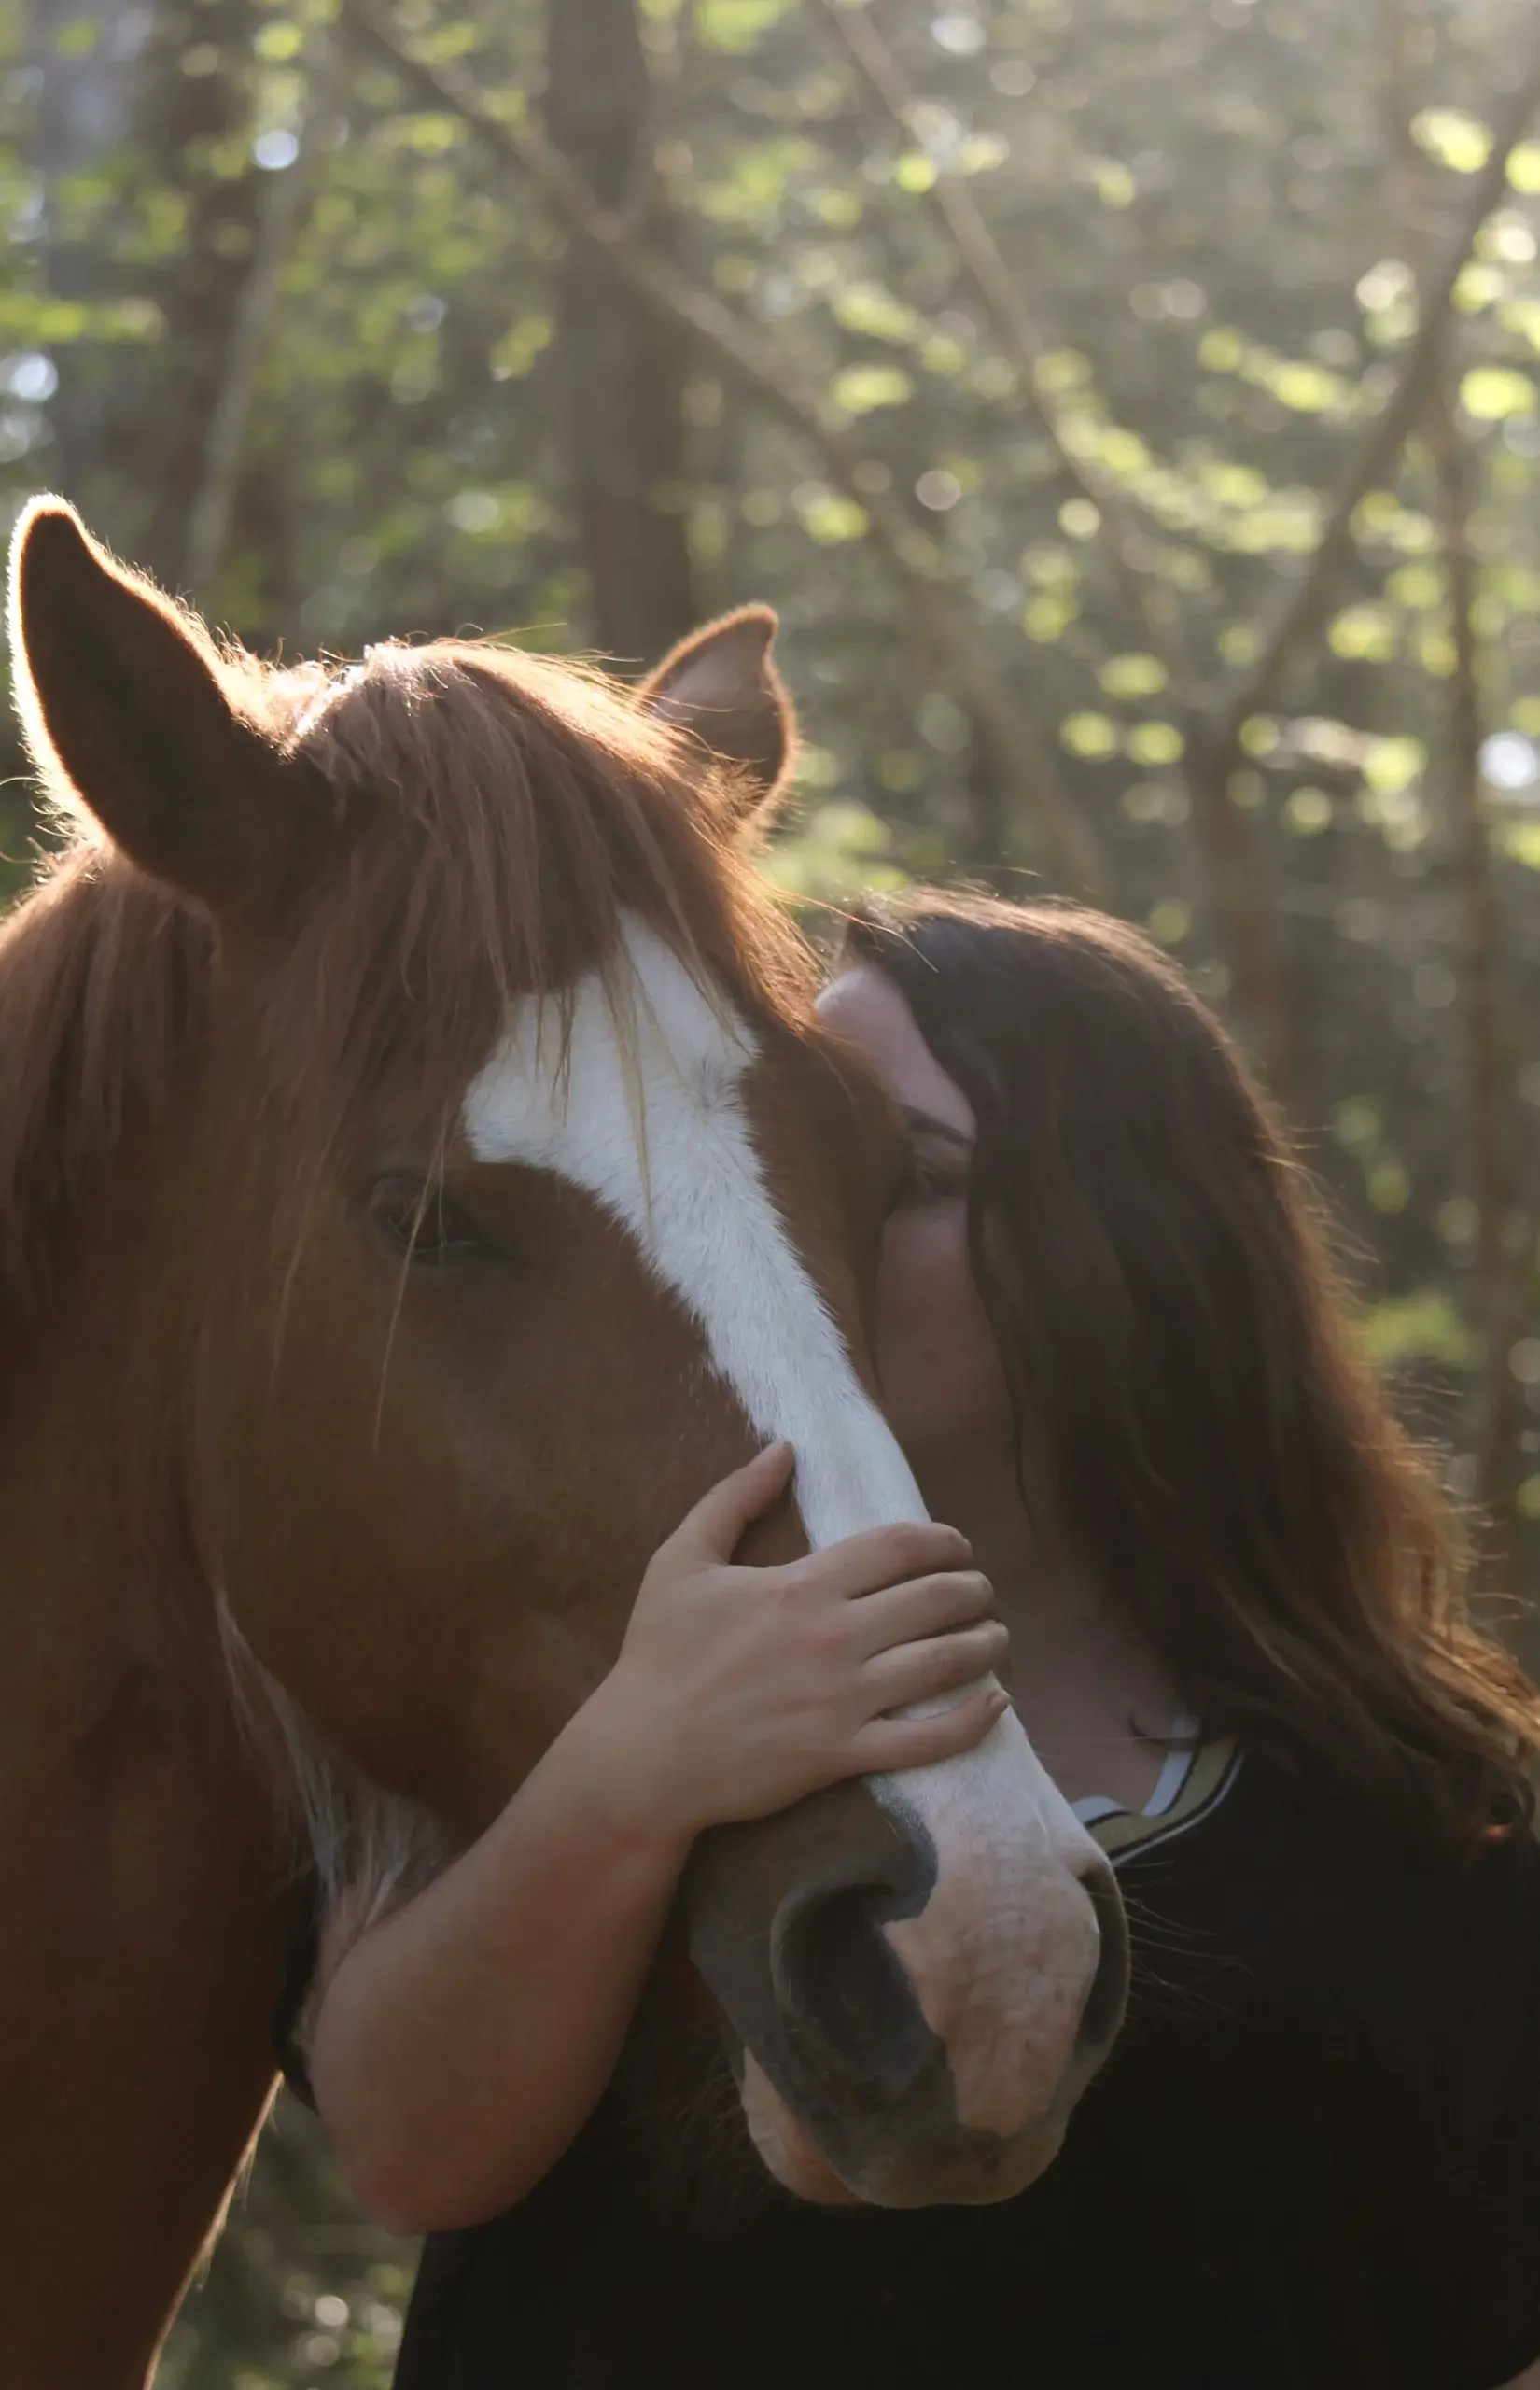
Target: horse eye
[{"x": 417, "y": 1218}]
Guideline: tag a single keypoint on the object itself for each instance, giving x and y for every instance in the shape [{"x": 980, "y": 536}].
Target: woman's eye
[
  {"x": 929, "y": 1178},
  {"x": 420, "y": 1221}
]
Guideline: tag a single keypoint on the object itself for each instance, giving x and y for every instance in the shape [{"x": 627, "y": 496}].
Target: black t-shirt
[{"x": 1312, "y": 2162}]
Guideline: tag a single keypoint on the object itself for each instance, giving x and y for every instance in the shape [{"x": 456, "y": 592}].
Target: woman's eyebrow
[{"x": 924, "y": 1124}]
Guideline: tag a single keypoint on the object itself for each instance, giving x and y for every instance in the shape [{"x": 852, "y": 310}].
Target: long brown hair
[{"x": 1198, "y": 1427}]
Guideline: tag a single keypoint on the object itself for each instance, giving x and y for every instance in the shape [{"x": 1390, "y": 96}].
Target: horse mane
[
  {"x": 500, "y": 809},
  {"x": 103, "y": 981}
]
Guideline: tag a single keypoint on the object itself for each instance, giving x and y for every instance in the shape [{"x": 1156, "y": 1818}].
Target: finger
[
  {"x": 864, "y": 1564},
  {"x": 717, "y": 1524},
  {"x": 921, "y": 1606},
  {"x": 889, "y": 1745},
  {"x": 916, "y": 1671}
]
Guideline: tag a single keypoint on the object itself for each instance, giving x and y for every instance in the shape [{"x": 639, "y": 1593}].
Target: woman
[{"x": 1110, "y": 1345}]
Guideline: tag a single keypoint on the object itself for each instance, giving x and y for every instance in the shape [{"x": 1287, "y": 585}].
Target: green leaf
[
  {"x": 1307, "y": 388},
  {"x": 1308, "y": 812},
  {"x": 1418, "y": 586},
  {"x": 1524, "y": 166},
  {"x": 514, "y": 354},
  {"x": 1388, "y": 1185},
  {"x": 941, "y": 354},
  {"x": 1061, "y": 370},
  {"x": 1155, "y": 742},
  {"x": 280, "y": 40},
  {"x": 1365, "y": 634},
  {"x": 1391, "y": 764},
  {"x": 1114, "y": 183},
  {"x": 1220, "y": 351},
  {"x": 867, "y": 308},
  {"x": 853, "y": 827},
  {"x": 841, "y": 210},
  {"x": 1421, "y": 1326},
  {"x": 1461, "y": 142},
  {"x": 1091, "y": 734},
  {"x": 735, "y": 25},
  {"x": 1124, "y": 453},
  {"x": 1046, "y": 618},
  {"x": 915, "y": 171},
  {"x": 827, "y": 517},
  {"x": 1132, "y": 676},
  {"x": 1232, "y": 484},
  {"x": 1491, "y": 393}
]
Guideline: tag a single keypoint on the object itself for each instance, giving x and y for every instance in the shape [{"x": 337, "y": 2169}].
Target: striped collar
[{"x": 1193, "y": 1783}]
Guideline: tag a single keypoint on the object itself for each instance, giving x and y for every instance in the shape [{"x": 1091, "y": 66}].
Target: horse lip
[
  {"x": 937, "y": 2180},
  {"x": 901, "y": 2169},
  {"x": 927, "y": 2162}
]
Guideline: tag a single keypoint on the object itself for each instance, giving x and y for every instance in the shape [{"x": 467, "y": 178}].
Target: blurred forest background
[{"x": 1130, "y": 406}]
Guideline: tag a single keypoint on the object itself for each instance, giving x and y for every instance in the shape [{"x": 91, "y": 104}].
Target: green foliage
[
  {"x": 1418, "y": 1327},
  {"x": 1196, "y": 209},
  {"x": 301, "y": 2291}
]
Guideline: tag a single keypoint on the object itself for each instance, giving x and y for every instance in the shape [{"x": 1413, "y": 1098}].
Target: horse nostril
[
  {"x": 1102, "y": 2014},
  {"x": 845, "y": 1995}
]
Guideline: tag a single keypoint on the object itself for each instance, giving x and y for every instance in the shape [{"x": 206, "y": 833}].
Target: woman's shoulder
[
  {"x": 1227, "y": 1804},
  {"x": 1303, "y": 1888},
  {"x": 1311, "y": 1980}
]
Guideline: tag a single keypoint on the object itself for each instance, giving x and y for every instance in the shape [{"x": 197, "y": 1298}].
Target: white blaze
[
  {"x": 648, "y": 1114},
  {"x": 657, "y": 1131}
]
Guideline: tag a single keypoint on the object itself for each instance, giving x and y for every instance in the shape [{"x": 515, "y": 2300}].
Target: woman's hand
[
  {"x": 740, "y": 1690},
  {"x": 464, "y": 2037}
]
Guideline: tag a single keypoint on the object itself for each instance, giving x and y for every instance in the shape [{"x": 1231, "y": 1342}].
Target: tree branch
[
  {"x": 1301, "y": 607},
  {"x": 738, "y": 352},
  {"x": 1489, "y": 1145},
  {"x": 1238, "y": 889},
  {"x": 1498, "y": 1285},
  {"x": 285, "y": 202},
  {"x": 1214, "y": 732},
  {"x": 999, "y": 289}
]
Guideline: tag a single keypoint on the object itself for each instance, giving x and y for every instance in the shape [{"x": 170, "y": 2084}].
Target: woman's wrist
[{"x": 620, "y": 1777}]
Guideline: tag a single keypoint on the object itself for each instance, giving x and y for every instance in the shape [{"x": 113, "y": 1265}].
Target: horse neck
[
  {"x": 91, "y": 1475},
  {"x": 140, "y": 1874},
  {"x": 115, "y": 1699}
]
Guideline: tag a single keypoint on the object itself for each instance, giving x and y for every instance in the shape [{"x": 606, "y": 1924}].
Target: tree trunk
[
  {"x": 622, "y": 368},
  {"x": 173, "y": 101}
]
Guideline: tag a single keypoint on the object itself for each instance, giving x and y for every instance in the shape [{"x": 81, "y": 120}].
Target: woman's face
[{"x": 942, "y": 1386}]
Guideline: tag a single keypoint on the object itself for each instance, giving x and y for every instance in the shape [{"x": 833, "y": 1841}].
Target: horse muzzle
[{"x": 903, "y": 2034}]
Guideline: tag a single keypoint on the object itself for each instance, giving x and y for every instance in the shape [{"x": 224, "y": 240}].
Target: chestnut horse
[{"x": 422, "y": 1173}]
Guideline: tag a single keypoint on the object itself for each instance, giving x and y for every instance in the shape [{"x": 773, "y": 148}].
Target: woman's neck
[
  {"x": 1032, "y": 1580},
  {"x": 1094, "y": 1695}
]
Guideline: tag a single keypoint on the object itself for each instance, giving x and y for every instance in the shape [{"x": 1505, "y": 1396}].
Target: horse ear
[
  {"x": 127, "y": 708},
  {"x": 721, "y": 685}
]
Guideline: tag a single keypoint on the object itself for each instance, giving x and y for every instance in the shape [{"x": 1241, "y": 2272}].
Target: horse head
[{"x": 506, "y": 1193}]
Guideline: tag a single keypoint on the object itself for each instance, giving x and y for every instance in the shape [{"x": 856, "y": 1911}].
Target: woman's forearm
[{"x": 463, "y": 2041}]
